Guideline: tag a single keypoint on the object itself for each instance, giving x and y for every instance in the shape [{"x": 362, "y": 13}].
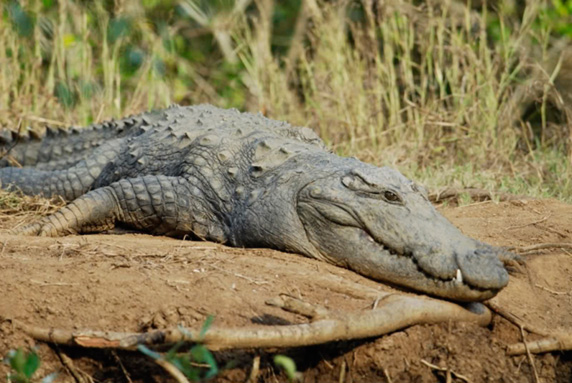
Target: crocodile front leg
[{"x": 156, "y": 204}]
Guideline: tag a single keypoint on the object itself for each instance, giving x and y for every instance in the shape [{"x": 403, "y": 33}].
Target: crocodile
[{"x": 245, "y": 180}]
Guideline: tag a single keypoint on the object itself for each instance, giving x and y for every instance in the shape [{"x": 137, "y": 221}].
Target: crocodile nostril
[{"x": 316, "y": 192}]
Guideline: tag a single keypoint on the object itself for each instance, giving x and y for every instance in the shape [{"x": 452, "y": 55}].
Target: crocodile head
[{"x": 380, "y": 224}]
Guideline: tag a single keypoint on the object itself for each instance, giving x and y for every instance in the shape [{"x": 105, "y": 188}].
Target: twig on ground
[
  {"x": 529, "y": 355},
  {"x": 123, "y": 369},
  {"x": 253, "y": 376},
  {"x": 377, "y": 300},
  {"x": 556, "y": 342},
  {"x": 386, "y": 374},
  {"x": 342, "y": 376},
  {"x": 251, "y": 280},
  {"x": 541, "y": 246},
  {"x": 174, "y": 371},
  {"x": 396, "y": 312},
  {"x": 297, "y": 306},
  {"x": 78, "y": 375},
  {"x": 476, "y": 204},
  {"x": 554, "y": 231},
  {"x": 552, "y": 291},
  {"x": 474, "y": 193},
  {"x": 3, "y": 247},
  {"x": 446, "y": 370},
  {"x": 544, "y": 219},
  {"x": 44, "y": 284},
  {"x": 515, "y": 320},
  {"x": 325, "y": 361}
]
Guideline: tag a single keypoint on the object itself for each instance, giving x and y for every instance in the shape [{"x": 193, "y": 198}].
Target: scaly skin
[{"x": 246, "y": 180}]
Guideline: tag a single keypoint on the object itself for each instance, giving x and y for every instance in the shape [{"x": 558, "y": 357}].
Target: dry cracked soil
[{"x": 137, "y": 282}]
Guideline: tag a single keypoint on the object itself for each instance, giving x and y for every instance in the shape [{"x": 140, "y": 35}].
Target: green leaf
[
  {"x": 32, "y": 364},
  {"x": 208, "y": 322},
  {"x": 118, "y": 28},
  {"x": 150, "y": 4},
  {"x": 194, "y": 375},
  {"x": 172, "y": 353},
  {"x": 201, "y": 354},
  {"x": 20, "y": 19},
  {"x": 17, "y": 361},
  {"x": 64, "y": 94},
  {"x": 182, "y": 365},
  {"x": 288, "y": 365}
]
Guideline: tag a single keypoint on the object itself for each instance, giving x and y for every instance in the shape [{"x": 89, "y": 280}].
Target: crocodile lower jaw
[{"x": 417, "y": 279}]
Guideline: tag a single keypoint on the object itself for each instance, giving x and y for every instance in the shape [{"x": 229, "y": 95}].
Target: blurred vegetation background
[{"x": 452, "y": 93}]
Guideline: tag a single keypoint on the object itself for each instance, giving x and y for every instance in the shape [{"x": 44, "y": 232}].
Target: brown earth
[{"x": 136, "y": 282}]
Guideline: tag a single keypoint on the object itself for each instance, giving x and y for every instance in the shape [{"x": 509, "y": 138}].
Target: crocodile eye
[{"x": 391, "y": 196}]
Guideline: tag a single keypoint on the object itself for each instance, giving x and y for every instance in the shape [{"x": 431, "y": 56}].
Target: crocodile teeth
[{"x": 459, "y": 277}]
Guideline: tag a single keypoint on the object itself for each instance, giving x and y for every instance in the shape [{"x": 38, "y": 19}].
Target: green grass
[
  {"x": 197, "y": 364},
  {"x": 24, "y": 365},
  {"x": 448, "y": 95}
]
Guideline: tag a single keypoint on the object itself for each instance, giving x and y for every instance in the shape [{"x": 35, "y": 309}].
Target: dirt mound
[{"x": 136, "y": 282}]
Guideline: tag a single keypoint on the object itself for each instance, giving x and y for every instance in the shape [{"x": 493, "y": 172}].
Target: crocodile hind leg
[{"x": 157, "y": 204}]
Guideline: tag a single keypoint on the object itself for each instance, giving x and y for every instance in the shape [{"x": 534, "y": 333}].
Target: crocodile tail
[{"x": 59, "y": 148}]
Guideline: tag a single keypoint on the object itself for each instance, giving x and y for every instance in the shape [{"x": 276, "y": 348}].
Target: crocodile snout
[{"x": 483, "y": 269}]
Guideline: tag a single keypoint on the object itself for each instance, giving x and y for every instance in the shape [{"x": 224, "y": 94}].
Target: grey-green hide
[{"x": 245, "y": 180}]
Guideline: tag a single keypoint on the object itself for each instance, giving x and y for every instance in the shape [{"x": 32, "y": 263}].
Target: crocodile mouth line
[
  {"x": 457, "y": 281},
  {"x": 456, "y": 288}
]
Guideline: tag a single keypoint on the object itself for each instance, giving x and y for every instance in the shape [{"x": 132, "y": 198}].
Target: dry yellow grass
[{"x": 426, "y": 89}]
